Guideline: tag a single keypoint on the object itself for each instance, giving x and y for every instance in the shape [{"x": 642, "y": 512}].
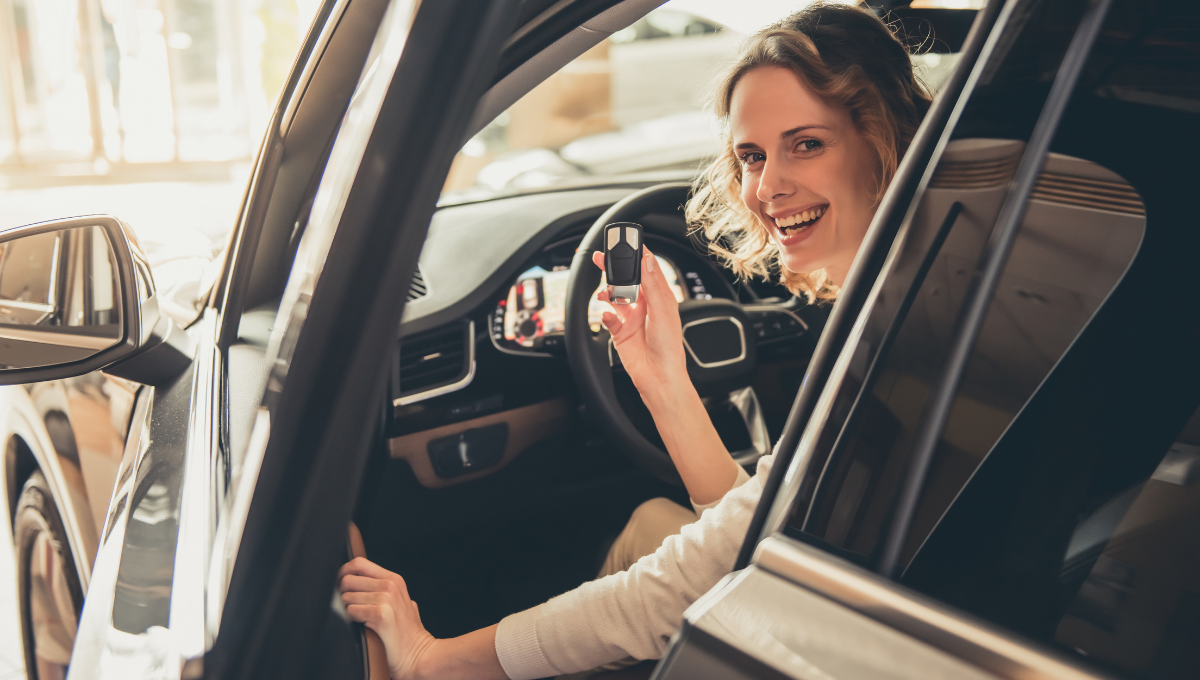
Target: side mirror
[{"x": 76, "y": 296}]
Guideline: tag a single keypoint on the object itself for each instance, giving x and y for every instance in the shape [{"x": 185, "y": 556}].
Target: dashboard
[{"x": 480, "y": 364}]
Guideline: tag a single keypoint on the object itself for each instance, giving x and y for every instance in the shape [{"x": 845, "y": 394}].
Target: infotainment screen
[{"x": 536, "y": 303}]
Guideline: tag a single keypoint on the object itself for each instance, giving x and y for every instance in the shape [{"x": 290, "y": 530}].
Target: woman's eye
[
  {"x": 809, "y": 145},
  {"x": 752, "y": 157}
]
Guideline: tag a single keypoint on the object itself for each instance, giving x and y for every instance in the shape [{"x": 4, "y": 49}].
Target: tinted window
[
  {"x": 1048, "y": 292},
  {"x": 1062, "y": 499},
  {"x": 1079, "y": 234},
  {"x": 1134, "y": 564}
]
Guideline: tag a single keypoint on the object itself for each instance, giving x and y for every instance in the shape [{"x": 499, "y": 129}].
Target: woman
[{"x": 819, "y": 108}]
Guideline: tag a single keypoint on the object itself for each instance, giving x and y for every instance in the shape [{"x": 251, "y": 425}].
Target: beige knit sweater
[{"x": 633, "y": 613}]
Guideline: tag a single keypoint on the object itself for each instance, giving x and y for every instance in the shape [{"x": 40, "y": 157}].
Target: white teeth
[{"x": 800, "y": 217}]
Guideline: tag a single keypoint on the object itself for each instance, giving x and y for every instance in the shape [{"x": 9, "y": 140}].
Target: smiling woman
[{"x": 820, "y": 108}]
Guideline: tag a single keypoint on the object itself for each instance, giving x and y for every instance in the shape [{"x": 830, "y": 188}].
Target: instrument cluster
[{"x": 531, "y": 318}]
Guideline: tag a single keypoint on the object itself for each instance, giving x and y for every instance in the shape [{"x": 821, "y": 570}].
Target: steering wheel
[{"x": 720, "y": 342}]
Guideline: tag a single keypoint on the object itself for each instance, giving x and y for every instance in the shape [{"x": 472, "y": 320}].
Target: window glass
[
  {"x": 1063, "y": 495},
  {"x": 1134, "y": 564},
  {"x": 1059, "y": 271},
  {"x": 636, "y": 104},
  {"x": 1072, "y": 250}
]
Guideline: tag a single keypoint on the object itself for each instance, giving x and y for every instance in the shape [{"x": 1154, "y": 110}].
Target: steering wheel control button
[
  {"x": 623, "y": 261},
  {"x": 772, "y": 325},
  {"x": 468, "y": 451}
]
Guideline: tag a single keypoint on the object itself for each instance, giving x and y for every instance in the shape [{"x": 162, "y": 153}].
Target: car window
[
  {"x": 1076, "y": 242},
  {"x": 633, "y": 103},
  {"x": 1134, "y": 566},
  {"x": 1061, "y": 495},
  {"x": 636, "y": 104},
  {"x": 1062, "y": 267}
]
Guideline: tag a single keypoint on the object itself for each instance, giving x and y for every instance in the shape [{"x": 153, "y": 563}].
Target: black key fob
[{"x": 623, "y": 261}]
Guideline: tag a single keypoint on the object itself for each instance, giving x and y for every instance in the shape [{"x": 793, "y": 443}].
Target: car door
[
  {"x": 991, "y": 474},
  {"x": 283, "y": 533},
  {"x": 172, "y": 480}
]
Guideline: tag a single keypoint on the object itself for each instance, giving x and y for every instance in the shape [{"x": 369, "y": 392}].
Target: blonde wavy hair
[{"x": 849, "y": 58}]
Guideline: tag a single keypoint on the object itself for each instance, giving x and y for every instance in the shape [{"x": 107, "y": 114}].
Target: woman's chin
[{"x": 801, "y": 262}]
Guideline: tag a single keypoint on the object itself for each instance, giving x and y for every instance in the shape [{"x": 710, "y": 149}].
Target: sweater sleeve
[
  {"x": 742, "y": 478},
  {"x": 633, "y": 613}
]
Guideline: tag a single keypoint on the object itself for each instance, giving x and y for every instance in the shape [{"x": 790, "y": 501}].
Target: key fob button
[{"x": 623, "y": 269}]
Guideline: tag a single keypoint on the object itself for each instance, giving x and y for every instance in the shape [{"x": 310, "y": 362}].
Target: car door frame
[
  {"x": 178, "y": 432},
  {"x": 336, "y": 333}
]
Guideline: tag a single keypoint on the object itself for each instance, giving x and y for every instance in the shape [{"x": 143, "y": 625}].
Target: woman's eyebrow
[
  {"x": 797, "y": 130},
  {"x": 784, "y": 136}
]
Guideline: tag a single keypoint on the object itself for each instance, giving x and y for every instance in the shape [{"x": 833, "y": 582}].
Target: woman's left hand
[{"x": 379, "y": 598}]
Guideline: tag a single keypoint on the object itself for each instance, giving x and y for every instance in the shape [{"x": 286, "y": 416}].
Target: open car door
[
  {"x": 282, "y": 534},
  {"x": 993, "y": 468}
]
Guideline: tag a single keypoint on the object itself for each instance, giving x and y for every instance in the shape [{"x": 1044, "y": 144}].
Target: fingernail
[{"x": 649, "y": 262}]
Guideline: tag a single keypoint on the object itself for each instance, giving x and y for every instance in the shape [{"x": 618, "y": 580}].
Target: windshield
[{"x": 637, "y": 104}]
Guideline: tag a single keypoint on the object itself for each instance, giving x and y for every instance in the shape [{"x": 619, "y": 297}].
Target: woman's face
[{"x": 807, "y": 173}]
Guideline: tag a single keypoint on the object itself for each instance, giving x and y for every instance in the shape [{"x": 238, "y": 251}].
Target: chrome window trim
[
  {"x": 31, "y": 306},
  {"x": 331, "y": 24},
  {"x": 96, "y": 342},
  {"x": 452, "y": 387},
  {"x": 973, "y": 640},
  {"x": 723, "y": 362}
]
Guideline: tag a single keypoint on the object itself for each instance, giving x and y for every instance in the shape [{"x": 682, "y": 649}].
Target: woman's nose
[{"x": 773, "y": 183}]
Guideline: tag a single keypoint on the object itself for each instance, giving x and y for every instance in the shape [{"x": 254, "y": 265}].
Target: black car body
[{"x": 986, "y": 469}]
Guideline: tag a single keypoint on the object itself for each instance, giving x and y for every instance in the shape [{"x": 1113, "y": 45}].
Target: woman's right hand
[
  {"x": 379, "y": 598},
  {"x": 647, "y": 334}
]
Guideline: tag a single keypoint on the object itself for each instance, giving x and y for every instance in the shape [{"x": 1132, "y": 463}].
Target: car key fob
[{"x": 623, "y": 261}]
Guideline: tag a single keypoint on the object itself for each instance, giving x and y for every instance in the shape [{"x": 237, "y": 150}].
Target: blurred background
[{"x": 151, "y": 110}]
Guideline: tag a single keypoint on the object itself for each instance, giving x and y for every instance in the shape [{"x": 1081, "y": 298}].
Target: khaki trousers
[{"x": 649, "y": 525}]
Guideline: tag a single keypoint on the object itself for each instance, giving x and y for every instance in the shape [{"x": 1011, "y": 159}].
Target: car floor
[{"x": 476, "y": 552}]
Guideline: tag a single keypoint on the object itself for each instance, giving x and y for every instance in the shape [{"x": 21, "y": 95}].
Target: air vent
[
  {"x": 435, "y": 363},
  {"x": 418, "y": 289}
]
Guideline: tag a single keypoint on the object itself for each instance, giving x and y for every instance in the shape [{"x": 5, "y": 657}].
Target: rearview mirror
[{"x": 76, "y": 295}]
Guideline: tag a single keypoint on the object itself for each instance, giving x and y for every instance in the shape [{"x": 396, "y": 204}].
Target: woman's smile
[{"x": 794, "y": 226}]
